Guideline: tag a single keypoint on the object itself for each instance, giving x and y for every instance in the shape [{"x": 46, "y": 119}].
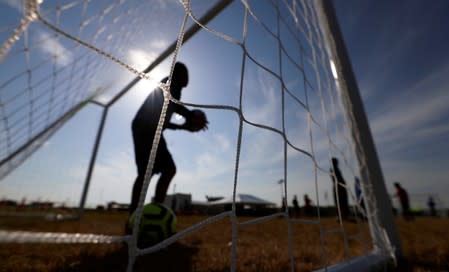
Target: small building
[
  {"x": 179, "y": 202},
  {"x": 41, "y": 204},
  {"x": 114, "y": 206},
  {"x": 8, "y": 203},
  {"x": 214, "y": 198}
]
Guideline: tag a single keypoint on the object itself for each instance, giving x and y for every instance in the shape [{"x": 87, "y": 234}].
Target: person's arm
[
  {"x": 184, "y": 112},
  {"x": 174, "y": 126},
  {"x": 181, "y": 110}
]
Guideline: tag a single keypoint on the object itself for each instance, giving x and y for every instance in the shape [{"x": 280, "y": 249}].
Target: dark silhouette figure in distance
[
  {"x": 431, "y": 204},
  {"x": 339, "y": 190},
  {"x": 308, "y": 209},
  {"x": 295, "y": 206},
  {"x": 402, "y": 195}
]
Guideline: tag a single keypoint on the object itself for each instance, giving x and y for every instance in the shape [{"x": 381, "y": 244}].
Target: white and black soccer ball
[{"x": 157, "y": 224}]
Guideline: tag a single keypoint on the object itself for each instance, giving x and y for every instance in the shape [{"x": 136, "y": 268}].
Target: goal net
[{"x": 274, "y": 80}]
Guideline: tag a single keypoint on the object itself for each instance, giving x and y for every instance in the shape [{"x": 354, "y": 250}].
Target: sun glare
[
  {"x": 334, "y": 69},
  {"x": 140, "y": 60},
  {"x": 145, "y": 86}
]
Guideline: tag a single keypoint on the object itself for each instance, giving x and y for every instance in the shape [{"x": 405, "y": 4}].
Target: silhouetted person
[
  {"x": 402, "y": 195},
  {"x": 144, "y": 127},
  {"x": 431, "y": 204},
  {"x": 284, "y": 202},
  {"x": 295, "y": 206},
  {"x": 307, "y": 205},
  {"x": 339, "y": 189},
  {"x": 358, "y": 193}
]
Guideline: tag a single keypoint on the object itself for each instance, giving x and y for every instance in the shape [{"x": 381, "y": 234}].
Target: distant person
[
  {"x": 144, "y": 128},
  {"x": 431, "y": 204},
  {"x": 402, "y": 195},
  {"x": 326, "y": 197},
  {"x": 339, "y": 189},
  {"x": 284, "y": 202},
  {"x": 358, "y": 193},
  {"x": 295, "y": 206},
  {"x": 307, "y": 205}
]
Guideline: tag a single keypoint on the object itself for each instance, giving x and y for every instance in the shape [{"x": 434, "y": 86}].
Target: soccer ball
[
  {"x": 157, "y": 224},
  {"x": 197, "y": 120}
]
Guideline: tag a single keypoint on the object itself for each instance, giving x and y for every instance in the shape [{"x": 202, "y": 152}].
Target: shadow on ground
[{"x": 176, "y": 257}]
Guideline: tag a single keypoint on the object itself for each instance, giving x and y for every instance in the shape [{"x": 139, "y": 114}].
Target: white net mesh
[
  {"x": 54, "y": 63},
  {"x": 59, "y": 55}
]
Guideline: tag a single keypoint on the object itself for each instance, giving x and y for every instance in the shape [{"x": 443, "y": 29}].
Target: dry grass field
[{"x": 262, "y": 247}]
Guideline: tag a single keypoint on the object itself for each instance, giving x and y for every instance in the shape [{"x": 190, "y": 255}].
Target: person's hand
[{"x": 196, "y": 121}]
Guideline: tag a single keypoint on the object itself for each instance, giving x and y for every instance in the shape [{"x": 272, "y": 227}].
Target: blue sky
[{"x": 398, "y": 51}]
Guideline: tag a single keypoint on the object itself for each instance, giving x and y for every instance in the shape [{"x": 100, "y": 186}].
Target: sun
[
  {"x": 140, "y": 60},
  {"x": 145, "y": 86}
]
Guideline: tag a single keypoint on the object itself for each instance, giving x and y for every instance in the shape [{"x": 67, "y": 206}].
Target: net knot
[
  {"x": 31, "y": 9},
  {"x": 186, "y": 5}
]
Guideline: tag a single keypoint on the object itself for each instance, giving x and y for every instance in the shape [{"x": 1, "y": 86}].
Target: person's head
[
  {"x": 180, "y": 75},
  {"x": 334, "y": 162},
  {"x": 397, "y": 185}
]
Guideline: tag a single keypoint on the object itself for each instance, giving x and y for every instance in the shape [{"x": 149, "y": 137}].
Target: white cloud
[
  {"x": 113, "y": 177},
  {"x": 159, "y": 44},
  {"x": 223, "y": 143},
  {"x": 53, "y": 47},
  {"x": 262, "y": 98},
  {"x": 140, "y": 59},
  {"x": 15, "y": 4},
  {"x": 415, "y": 116},
  {"x": 163, "y": 4},
  {"x": 214, "y": 160},
  {"x": 418, "y": 177},
  {"x": 411, "y": 119},
  {"x": 115, "y": 167}
]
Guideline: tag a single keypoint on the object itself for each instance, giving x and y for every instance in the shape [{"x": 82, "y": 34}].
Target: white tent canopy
[{"x": 243, "y": 199}]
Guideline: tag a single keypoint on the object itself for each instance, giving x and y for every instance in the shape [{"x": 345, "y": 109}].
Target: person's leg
[
  {"x": 142, "y": 149},
  {"x": 408, "y": 213},
  {"x": 167, "y": 168},
  {"x": 138, "y": 183},
  {"x": 343, "y": 198},
  {"x": 404, "y": 210},
  {"x": 162, "y": 185},
  {"x": 141, "y": 157}
]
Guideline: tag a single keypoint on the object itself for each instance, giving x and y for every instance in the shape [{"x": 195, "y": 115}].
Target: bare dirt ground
[{"x": 261, "y": 247}]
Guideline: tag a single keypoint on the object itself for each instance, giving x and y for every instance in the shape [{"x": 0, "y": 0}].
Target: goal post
[
  {"x": 294, "y": 102},
  {"x": 380, "y": 209}
]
